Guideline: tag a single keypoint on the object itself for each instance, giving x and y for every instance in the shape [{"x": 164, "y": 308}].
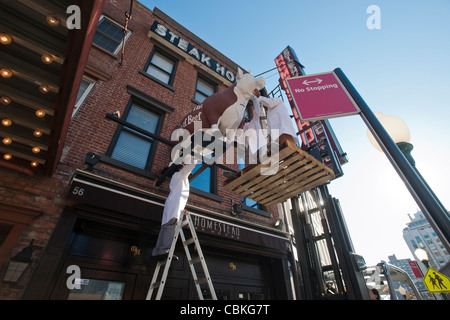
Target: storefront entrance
[{"x": 114, "y": 264}]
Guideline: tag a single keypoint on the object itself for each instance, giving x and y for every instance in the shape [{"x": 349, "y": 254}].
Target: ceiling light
[
  {"x": 6, "y": 122},
  {"x": 7, "y": 156},
  {"x": 5, "y": 100},
  {"x": 52, "y": 20},
  {"x": 38, "y": 133},
  {"x": 47, "y": 58},
  {"x": 34, "y": 164},
  {"x": 44, "y": 89},
  {"x": 40, "y": 113},
  {"x": 6, "y": 73},
  {"x": 36, "y": 150},
  {"x": 5, "y": 39},
  {"x": 7, "y": 141}
]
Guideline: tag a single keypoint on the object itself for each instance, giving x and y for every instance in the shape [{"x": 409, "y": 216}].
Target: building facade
[
  {"x": 419, "y": 234},
  {"x": 99, "y": 211},
  {"x": 405, "y": 264}
]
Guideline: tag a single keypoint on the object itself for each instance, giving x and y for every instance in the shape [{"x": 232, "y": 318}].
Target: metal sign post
[{"x": 426, "y": 200}]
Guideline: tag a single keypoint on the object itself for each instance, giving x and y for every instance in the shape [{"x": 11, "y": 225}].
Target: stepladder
[{"x": 194, "y": 255}]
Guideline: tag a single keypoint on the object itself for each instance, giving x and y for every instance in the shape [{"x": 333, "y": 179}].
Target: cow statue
[{"x": 219, "y": 112}]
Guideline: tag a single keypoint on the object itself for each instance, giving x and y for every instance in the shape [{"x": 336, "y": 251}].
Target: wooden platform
[{"x": 295, "y": 172}]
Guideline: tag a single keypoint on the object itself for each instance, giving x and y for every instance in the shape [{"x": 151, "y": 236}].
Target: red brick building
[{"x": 97, "y": 207}]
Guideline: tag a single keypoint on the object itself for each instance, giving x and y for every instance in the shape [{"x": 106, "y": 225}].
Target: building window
[
  {"x": 85, "y": 88},
  {"x": 131, "y": 147},
  {"x": 203, "y": 181},
  {"x": 203, "y": 90},
  {"x": 109, "y": 35},
  {"x": 161, "y": 67}
]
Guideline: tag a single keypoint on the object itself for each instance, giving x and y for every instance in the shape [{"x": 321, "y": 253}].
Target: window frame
[
  {"x": 204, "y": 79},
  {"x": 163, "y": 53},
  {"x": 85, "y": 94},
  {"x": 119, "y": 47},
  {"x": 147, "y": 171},
  {"x": 212, "y": 194}
]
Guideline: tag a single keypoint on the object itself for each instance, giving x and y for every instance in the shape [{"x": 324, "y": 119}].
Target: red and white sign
[
  {"x": 321, "y": 96},
  {"x": 415, "y": 269}
]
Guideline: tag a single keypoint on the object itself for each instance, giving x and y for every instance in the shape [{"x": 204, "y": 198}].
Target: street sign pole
[{"x": 427, "y": 202}]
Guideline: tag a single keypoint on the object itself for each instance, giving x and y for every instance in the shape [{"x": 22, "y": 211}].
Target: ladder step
[
  {"x": 189, "y": 241},
  {"x": 155, "y": 285},
  {"x": 185, "y": 223},
  {"x": 201, "y": 281},
  {"x": 195, "y": 260}
]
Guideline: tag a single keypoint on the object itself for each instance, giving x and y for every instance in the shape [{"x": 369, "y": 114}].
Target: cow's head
[{"x": 247, "y": 83}]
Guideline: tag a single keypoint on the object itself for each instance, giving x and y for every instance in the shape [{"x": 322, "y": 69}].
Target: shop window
[
  {"x": 94, "y": 289},
  {"x": 161, "y": 67},
  {"x": 132, "y": 148},
  {"x": 109, "y": 35},
  {"x": 203, "y": 90}
]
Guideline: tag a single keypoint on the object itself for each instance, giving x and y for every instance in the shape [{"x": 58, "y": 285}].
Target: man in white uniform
[
  {"x": 173, "y": 207},
  {"x": 278, "y": 119}
]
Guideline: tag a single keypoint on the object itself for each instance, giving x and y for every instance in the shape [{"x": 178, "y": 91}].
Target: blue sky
[{"x": 401, "y": 69}]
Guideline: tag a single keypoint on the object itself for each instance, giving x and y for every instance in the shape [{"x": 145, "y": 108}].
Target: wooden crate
[{"x": 295, "y": 172}]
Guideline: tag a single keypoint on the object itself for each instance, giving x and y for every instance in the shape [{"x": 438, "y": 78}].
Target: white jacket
[
  {"x": 278, "y": 118},
  {"x": 179, "y": 193}
]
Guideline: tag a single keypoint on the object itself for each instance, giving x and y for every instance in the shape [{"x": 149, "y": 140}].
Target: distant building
[
  {"x": 419, "y": 234},
  {"x": 404, "y": 265}
]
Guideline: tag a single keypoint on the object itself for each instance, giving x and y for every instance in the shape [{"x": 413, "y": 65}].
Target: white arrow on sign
[{"x": 307, "y": 83}]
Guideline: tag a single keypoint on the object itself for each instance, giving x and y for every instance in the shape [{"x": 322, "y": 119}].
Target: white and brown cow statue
[{"x": 221, "y": 111}]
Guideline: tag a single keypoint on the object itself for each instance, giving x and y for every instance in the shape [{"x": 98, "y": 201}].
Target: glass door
[{"x": 97, "y": 284}]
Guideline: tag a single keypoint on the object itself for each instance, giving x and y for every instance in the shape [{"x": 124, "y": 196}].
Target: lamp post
[
  {"x": 422, "y": 255},
  {"x": 400, "y": 134},
  {"x": 419, "y": 190}
]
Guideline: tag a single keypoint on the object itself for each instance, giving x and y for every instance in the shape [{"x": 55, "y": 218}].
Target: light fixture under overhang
[
  {"x": 40, "y": 113},
  {"x": 36, "y": 150},
  {"x": 34, "y": 164},
  {"x": 52, "y": 20},
  {"x": 5, "y": 100},
  {"x": 38, "y": 133},
  {"x": 7, "y": 156},
  {"x": 44, "y": 89},
  {"x": 5, "y": 39},
  {"x": 7, "y": 140},
  {"x": 6, "y": 73},
  {"x": 6, "y": 122},
  {"x": 47, "y": 58}
]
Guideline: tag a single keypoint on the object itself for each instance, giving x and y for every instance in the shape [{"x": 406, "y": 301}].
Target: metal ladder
[{"x": 160, "y": 283}]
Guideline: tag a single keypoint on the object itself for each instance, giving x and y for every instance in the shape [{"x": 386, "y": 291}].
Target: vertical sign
[
  {"x": 289, "y": 66},
  {"x": 415, "y": 269}
]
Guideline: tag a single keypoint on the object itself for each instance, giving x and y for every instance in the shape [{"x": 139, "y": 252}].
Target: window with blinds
[
  {"x": 203, "y": 90},
  {"x": 132, "y": 147},
  {"x": 161, "y": 67}
]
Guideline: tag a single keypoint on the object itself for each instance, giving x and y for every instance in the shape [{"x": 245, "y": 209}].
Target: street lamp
[
  {"x": 422, "y": 255},
  {"x": 399, "y": 133}
]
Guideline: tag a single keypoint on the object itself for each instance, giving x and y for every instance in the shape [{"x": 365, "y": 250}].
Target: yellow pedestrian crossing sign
[{"x": 436, "y": 282}]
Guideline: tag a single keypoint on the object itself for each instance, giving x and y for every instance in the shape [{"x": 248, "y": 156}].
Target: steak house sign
[{"x": 192, "y": 51}]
